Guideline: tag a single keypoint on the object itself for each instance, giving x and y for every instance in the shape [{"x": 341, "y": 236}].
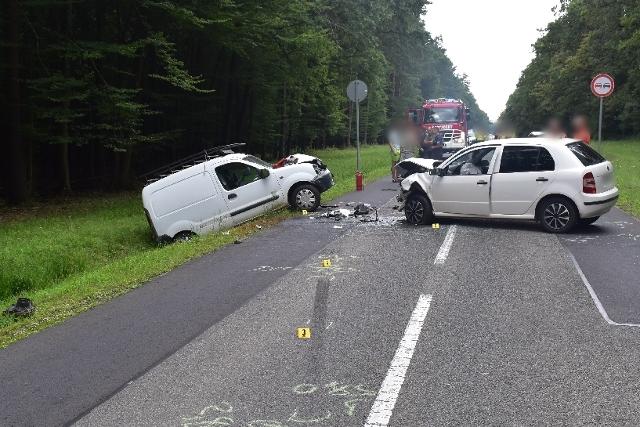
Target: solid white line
[
  {"x": 446, "y": 246},
  {"x": 382, "y": 408},
  {"x": 595, "y": 298}
]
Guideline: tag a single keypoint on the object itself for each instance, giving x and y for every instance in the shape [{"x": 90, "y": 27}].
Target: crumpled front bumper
[{"x": 324, "y": 180}]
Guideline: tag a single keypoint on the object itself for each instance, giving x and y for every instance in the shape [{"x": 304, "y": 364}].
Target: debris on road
[
  {"x": 237, "y": 242},
  {"x": 259, "y": 227},
  {"x": 23, "y": 307}
]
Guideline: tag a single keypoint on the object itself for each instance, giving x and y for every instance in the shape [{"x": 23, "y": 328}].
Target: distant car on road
[
  {"x": 223, "y": 189},
  {"x": 471, "y": 137},
  {"x": 557, "y": 182},
  {"x": 536, "y": 134}
]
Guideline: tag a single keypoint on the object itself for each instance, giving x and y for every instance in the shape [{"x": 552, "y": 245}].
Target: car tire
[
  {"x": 418, "y": 210},
  {"x": 587, "y": 221},
  {"x": 305, "y": 197},
  {"x": 557, "y": 215}
]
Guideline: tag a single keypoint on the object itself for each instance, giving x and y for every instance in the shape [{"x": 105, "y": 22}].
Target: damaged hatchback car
[
  {"x": 559, "y": 183},
  {"x": 221, "y": 189}
]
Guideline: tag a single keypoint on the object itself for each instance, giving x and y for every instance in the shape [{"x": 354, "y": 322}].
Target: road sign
[
  {"x": 602, "y": 85},
  {"x": 357, "y": 91}
]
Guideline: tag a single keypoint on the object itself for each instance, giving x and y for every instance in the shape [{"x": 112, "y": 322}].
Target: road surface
[{"x": 476, "y": 322}]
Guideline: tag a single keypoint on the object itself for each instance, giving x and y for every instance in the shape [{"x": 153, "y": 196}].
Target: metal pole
[
  {"x": 357, "y": 129},
  {"x": 600, "y": 123}
]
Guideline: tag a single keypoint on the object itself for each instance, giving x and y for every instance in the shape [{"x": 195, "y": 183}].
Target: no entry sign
[{"x": 602, "y": 85}]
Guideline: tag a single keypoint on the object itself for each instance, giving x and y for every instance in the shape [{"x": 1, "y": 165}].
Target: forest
[
  {"x": 96, "y": 92},
  {"x": 588, "y": 37}
]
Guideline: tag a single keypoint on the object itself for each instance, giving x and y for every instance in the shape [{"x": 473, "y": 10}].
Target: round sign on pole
[
  {"x": 602, "y": 85},
  {"x": 357, "y": 91}
]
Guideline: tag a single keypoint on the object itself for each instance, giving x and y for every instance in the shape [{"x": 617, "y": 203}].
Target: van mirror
[{"x": 263, "y": 173}]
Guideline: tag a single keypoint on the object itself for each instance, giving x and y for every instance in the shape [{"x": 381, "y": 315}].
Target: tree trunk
[
  {"x": 284, "y": 130},
  {"x": 16, "y": 178},
  {"x": 64, "y": 150}
]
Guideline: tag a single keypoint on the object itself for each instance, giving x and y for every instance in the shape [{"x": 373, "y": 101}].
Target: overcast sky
[{"x": 490, "y": 40}]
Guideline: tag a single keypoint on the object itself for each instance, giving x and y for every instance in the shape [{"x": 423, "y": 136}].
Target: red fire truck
[{"x": 448, "y": 117}]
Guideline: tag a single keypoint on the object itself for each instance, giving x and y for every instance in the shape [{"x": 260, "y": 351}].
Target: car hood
[{"x": 418, "y": 161}]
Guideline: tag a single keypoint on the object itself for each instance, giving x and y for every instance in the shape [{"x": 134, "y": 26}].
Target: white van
[{"x": 225, "y": 189}]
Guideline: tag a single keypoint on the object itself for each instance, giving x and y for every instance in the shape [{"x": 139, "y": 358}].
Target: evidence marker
[
  {"x": 326, "y": 263},
  {"x": 304, "y": 212},
  {"x": 435, "y": 226},
  {"x": 303, "y": 333}
]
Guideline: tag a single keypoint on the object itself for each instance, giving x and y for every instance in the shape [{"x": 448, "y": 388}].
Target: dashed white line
[
  {"x": 595, "y": 298},
  {"x": 446, "y": 246},
  {"x": 382, "y": 408}
]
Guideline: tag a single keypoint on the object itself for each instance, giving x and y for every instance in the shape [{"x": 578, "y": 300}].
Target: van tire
[
  {"x": 305, "y": 197},
  {"x": 184, "y": 236}
]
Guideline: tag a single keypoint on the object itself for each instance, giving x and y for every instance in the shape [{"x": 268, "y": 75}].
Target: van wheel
[
  {"x": 305, "y": 196},
  {"x": 418, "y": 210},
  {"x": 557, "y": 215},
  {"x": 184, "y": 236}
]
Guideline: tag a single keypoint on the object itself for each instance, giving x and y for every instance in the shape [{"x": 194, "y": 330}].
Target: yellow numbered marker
[
  {"x": 303, "y": 333},
  {"x": 304, "y": 212},
  {"x": 435, "y": 226},
  {"x": 326, "y": 263}
]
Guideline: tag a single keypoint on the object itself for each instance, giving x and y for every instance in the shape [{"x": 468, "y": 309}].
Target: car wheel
[
  {"x": 418, "y": 210},
  {"x": 558, "y": 215},
  {"x": 588, "y": 221},
  {"x": 305, "y": 196}
]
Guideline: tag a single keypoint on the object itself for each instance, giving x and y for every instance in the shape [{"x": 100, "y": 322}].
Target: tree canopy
[
  {"x": 95, "y": 91},
  {"x": 587, "y": 37}
]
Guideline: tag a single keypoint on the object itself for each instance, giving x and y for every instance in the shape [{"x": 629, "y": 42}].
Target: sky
[{"x": 490, "y": 41}]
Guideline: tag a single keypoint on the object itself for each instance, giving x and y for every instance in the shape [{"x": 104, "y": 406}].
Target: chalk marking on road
[
  {"x": 595, "y": 298},
  {"x": 443, "y": 253},
  {"x": 382, "y": 408}
]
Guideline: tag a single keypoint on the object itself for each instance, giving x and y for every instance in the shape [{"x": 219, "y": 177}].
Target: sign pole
[
  {"x": 357, "y": 131},
  {"x": 600, "y": 122}
]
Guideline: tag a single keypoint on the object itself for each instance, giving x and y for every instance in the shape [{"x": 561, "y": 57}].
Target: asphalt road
[{"x": 477, "y": 322}]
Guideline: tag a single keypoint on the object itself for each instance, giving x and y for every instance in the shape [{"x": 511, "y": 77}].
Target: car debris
[
  {"x": 220, "y": 188},
  {"x": 364, "y": 212},
  {"x": 22, "y": 308}
]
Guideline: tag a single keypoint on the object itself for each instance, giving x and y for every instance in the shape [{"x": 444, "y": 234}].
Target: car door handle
[
  {"x": 542, "y": 179},
  {"x": 482, "y": 182},
  {"x": 232, "y": 196}
]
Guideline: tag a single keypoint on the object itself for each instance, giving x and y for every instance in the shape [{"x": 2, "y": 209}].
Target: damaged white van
[{"x": 220, "y": 189}]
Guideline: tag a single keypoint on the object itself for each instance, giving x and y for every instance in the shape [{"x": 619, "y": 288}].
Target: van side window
[
  {"x": 526, "y": 159},
  {"x": 235, "y": 174}
]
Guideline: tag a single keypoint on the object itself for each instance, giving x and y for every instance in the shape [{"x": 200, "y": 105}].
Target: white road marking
[
  {"x": 382, "y": 408},
  {"x": 446, "y": 246},
  {"x": 595, "y": 298}
]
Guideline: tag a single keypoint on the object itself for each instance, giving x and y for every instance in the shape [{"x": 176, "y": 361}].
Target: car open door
[{"x": 456, "y": 191}]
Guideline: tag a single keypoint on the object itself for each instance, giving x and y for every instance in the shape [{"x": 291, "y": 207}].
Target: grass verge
[
  {"x": 625, "y": 156},
  {"x": 72, "y": 255}
]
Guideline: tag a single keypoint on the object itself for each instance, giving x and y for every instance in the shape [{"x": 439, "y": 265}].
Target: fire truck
[{"x": 448, "y": 117}]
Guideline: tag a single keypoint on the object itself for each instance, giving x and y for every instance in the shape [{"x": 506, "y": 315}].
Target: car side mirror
[
  {"x": 441, "y": 172},
  {"x": 263, "y": 173}
]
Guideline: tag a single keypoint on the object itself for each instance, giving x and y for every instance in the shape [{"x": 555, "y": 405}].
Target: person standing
[
  {"x": 581, "y": 129},
  {"x": 393, "y": 137}
]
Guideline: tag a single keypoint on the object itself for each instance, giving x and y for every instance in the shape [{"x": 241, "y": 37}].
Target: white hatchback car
[{"x": 557, "y": 182}]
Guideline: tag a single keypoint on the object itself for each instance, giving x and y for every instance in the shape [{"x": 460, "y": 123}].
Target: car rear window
[{"x": 587, "y": 155}]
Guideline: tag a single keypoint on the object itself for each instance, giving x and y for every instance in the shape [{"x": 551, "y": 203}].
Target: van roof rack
[{"x": 192, "y": 160}]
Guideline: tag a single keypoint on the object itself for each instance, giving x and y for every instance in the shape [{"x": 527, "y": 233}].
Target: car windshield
[
  {"x": 257, "y": 160},
  {"x": 442, "y": 115},
  {"x": 587, "y": 155}
]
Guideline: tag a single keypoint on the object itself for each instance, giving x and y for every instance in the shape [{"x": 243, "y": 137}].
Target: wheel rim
[
  {"x": 305, "y": 198},
  {"x": 557, "y": 216},
  {"x": 414, "y": 211}
]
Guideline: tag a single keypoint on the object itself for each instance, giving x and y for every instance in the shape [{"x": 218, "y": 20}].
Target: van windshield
[{"x": 257, "y": 161}]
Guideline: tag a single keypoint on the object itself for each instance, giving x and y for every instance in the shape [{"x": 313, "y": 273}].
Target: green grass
[
  {"x": 625, "y": 156},
  {"x": 71, "y": 255}
]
